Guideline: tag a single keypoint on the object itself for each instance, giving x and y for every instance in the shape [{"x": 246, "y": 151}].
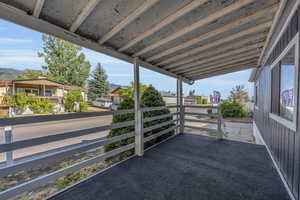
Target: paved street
[{"x": 22, "y": 132}]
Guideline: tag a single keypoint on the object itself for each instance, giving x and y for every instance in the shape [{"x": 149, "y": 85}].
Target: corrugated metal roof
[{"x": 191, "y": 39}]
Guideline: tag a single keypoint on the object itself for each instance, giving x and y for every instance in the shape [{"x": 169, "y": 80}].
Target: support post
[
  {"x": 13, "y": 89},
  {"x": 44, "y": 90},
  {"x": 220, "y": 132},
  {"x": 178, "y": 106},
  {"x": 8, "y": 140},
  {"x": 181, "y": 107},
  {"x": 139, "y": 135}
]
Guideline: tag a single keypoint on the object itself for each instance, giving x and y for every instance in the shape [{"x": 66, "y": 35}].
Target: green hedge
[{"x": 233, "y": 109}]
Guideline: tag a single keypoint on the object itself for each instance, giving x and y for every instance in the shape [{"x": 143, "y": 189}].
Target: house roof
[
  {"x": 41, "y": 82},
  {"x": 188, "y": 39}
]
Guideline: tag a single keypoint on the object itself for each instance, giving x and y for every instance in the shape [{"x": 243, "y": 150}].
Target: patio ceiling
[{"x": 188, "y": 39}]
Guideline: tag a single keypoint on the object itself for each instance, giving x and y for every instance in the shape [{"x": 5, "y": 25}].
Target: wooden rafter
[
  {"x": 86, "y": 11},
  {"x": 231, "y": 61},
  {"x": 220, "y": 50},
  {"x": 218, "y": 42},
  {"x": 198, "y": 24},
  {"x": 239, "y": 22},
  {"x": 236, "y": 68},
  {"x": 227, "y": 55},
  {"x": 275, "y": 21},
  {"x": 130, "y": 18},
  {"x": 38, "y": 8},
  {"x": 168, "y": 20}
]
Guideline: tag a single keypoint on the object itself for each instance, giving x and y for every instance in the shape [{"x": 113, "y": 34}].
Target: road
[{"x": 23, "y": 132}]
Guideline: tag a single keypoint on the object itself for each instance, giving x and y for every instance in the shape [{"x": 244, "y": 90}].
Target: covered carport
[{"x": 185, "y": 39}]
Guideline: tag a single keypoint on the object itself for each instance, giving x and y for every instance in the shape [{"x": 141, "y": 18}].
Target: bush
[
  {"x": 83, "y": 106},
  {"x": 21, "y": 102},
  {"x": 233, "y": 109},
  {"x": 39, "y": 105},
  {"x": 73, "y": 98},
  {"x": 150, "y": 98}
]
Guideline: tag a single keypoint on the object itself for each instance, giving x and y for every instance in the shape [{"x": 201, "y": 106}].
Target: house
[
  {"x": 40, "y": 88},
  {"x": 115, "y": 94},
  {"x": 276, "y": 110}
]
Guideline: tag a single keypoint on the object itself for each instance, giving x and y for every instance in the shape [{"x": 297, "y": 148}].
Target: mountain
[{"x": 9, "y": 73}]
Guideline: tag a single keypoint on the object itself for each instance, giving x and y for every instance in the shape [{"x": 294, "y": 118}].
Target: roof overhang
[{"x": 188, "y": 39}]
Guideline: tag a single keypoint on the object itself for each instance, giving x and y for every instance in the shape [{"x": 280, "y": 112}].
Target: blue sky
[{"x": 19, "y": 47}]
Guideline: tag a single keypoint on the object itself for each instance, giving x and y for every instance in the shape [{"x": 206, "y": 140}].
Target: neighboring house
[
  {"x": 276, "y": 110},
  {"x": 41, "y": 88},
  {"x": 115, "y": 95}
]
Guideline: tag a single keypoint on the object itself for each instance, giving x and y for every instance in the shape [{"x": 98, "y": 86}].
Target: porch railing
[
  {"x": 208, "y": 119},
  {"x": 11, "y": 165}
]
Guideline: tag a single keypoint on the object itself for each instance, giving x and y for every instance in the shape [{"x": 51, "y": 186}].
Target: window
[
  {"x": 29, "y": 91},
  {"x": 48, "y": 92},
  {"x": 284, "y": 89}
]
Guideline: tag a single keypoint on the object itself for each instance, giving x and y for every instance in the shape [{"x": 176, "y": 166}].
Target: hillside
[{"x": 9, "y": 73}]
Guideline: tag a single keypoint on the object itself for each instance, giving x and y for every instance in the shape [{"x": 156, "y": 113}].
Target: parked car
[{"x": 104, "y": 103}]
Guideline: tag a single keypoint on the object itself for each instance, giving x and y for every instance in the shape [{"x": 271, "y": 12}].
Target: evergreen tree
[
  {"x": 239, "y": 94},
  {"x": 64, "y": 62},
  {"x": 98, "y": 85}
]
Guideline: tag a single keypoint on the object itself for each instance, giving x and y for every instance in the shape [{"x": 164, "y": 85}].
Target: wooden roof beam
[
  {"x": 254, "y": 39},
  {"x": 86, "y": 11},
  {"x": 38, "y": 8},
  {"x": 244, "y": 33},
  {"x": 127, "y": 20},
  {"x": 168, "y": 20},
  {"x": 206, "y": 20},
  {"x": 275, "y": 21},
  {"x": 225, "y": 28},
  {"x": 242, "y": 59},
  {"x": 255, "y": 47},
  {"x": 225, "y": 71}
]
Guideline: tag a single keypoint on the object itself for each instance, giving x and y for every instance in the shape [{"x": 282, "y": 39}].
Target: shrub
[
  {"x": 232, "y": 109},
  {"x": 21, "y": 102},
  {"x": 73, "y": 98},
  {"x": 83, "y": 106},
  {"x": 40, "y": 105},
  {"x": 150, "y": 98}
]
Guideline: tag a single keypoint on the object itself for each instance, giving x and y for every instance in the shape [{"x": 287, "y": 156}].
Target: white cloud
[
  {"x": 12, "y": 41},
  {"x": 19, "y": 56}
]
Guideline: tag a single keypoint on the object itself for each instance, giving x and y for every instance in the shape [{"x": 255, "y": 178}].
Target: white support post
[
  {"x": 177, "y": 108},
  {"x": 139, "y": 135},
  {"x": 181, "y": 107},
  {"x": 8, "y": 140},
  {"x": 220, "y": 132}
]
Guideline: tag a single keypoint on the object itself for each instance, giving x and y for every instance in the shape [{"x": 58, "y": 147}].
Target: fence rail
[
  {"x": 220, "y": 122},
  {"x": 12, "y": 166}
]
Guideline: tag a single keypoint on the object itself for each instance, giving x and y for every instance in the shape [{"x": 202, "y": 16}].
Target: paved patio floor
[{"x": 189, "y": 167}]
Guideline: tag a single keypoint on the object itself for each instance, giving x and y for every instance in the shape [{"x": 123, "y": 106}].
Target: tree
[
  {"x": 98, "y": 85},
  {"x": 64, "y": 62},
  {"x": 32, "y": 74},
  {"x": 129, "y": 91},
  {"x": 239, "y": 94},
  {"x": 192, "y": 93}
]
